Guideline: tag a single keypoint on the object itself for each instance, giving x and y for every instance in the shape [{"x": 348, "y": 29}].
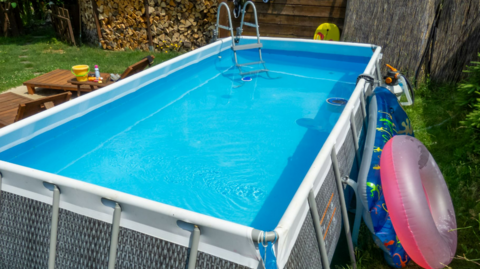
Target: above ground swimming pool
[{"x": 190, "y": 135}]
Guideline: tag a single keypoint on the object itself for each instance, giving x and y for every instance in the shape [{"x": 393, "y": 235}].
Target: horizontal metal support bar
[
  {"x": 248, "y": 46},
  {"x": 252, "y": 63},
  {"x": 250, "y": 24},
  {"x": 269, "y": 236},
  {"x": 224, "y": 27},
  {"x": 254, "y": 72}
]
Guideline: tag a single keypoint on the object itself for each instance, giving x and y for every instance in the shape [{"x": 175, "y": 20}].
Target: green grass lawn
[
  {"x": 45, "y": 53},
  {"x": 435, "y": 119}
]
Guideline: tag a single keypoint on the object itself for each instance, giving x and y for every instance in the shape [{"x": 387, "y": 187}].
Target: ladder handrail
[
  {"x": 242, "y": 47},
  {"x": 230, "y": 27},
  {"x": 255, "y": 16}
]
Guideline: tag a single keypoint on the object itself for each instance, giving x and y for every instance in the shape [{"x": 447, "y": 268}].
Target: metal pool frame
[{"x": 47, "y": 220}]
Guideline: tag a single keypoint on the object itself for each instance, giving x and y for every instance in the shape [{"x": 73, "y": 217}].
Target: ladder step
[
  {"x": 254, "y": 72},
  {"x": 250, "y": 24},
  {"x": 247, "y": 47},
  {"x": 252, "y": 63}
]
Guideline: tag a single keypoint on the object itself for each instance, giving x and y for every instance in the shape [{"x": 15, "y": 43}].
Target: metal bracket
[{"x": 269, "y": 236}]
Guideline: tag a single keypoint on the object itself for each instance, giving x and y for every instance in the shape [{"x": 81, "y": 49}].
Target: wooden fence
[{"x": 291, "y": 18}]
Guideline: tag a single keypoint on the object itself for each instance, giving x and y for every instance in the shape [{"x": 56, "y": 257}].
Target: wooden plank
[
  {"x": 269, "y": 29},
  {"x": 65, "y": 87},
  {"x": 6, "y": 115},
  {"x": 12, "y": 104},
  {"x": 70, "y": 31},
  {"x": 149, "y": 33},
  {"x": 9, "y": 103},
  {"x": 322, "y": 3},
  {"x": 35, "y": 106},
  {"x": 9, "y": 97},
  {"x": 49, "y": 75},
  {"x": 12, "y": 96},
  {"x": 97, "y": 23},
  {"x": 291, "y": 20},
  {"x": 312, "y": 11}
]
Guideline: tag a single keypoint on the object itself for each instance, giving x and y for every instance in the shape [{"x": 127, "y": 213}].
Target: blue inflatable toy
[{"x": 386, "y": 119}]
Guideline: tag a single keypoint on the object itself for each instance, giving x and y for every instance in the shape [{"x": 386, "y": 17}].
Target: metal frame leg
[
  {"x": 192, "y": 258},
  {"x": 346, "y": 223},
  {"x": 355, "y": 139},
  {"x": 358, "y": 220},
  {"x": 54, "y": 228},
  {"x": 358, "y": 211},
  {"x": 114, "y": 237},
  {"x": 318, "y": 230},
  {"x": 1, "y": 178}
]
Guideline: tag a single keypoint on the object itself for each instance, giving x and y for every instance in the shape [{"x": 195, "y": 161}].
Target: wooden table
[
  {"x": 57, "y": 80},
  {"x": 92, "y": 84}
]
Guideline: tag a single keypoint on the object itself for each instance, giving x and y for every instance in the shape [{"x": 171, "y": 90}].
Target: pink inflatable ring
[{"x": 418, "y": 202}]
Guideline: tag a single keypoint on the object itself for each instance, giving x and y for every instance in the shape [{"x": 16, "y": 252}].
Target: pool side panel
[
  {"x": 341, "y": 139},
  {"x": 305, "y": 253}
]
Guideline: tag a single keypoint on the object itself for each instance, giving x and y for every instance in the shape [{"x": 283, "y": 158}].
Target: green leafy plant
[{"x": 469, "y": 96}]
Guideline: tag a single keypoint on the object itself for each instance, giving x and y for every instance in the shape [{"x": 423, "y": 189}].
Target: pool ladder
[{"x": 235, "y": 39}]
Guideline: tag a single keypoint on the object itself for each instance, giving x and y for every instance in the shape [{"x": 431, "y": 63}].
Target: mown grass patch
[{"x": 45, "y": 53}]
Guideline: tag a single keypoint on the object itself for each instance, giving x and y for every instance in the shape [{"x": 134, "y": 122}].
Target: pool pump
[{"x": 398, "y": 84}]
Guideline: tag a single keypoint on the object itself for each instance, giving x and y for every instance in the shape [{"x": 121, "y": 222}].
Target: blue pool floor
[{"x": 202, "y": 140}]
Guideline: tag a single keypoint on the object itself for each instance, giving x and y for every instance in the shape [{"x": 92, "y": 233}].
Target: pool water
[{"x": 204, "y": 140}]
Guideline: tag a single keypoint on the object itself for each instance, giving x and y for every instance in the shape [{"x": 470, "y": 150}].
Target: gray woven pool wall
[
  {"x": 305, "y": 253},
  {"x": 83, "y": 242}
]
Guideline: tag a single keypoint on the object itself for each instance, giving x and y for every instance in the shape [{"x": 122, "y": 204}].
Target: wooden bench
[
  {"x": 14, "y": 107},
  {"x": 58, "y": 79}
]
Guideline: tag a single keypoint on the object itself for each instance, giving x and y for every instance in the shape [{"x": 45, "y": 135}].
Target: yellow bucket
[{"x": 81, "y": 72}]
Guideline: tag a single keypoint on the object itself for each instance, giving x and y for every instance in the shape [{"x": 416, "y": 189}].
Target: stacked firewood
[{"x": 174, "y": 24}]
